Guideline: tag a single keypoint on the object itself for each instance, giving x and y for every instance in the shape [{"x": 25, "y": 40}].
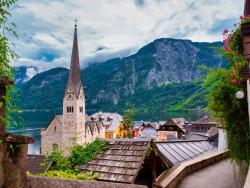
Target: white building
[
  {"x": 111, "y": 121},
  {"x": 149, "y": 130}
]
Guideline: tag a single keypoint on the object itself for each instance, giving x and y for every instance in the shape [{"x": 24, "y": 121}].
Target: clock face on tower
[{"x": 70, "y": 97}]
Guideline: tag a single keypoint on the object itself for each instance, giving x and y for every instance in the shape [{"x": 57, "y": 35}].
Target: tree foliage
[
  {"x": 7, "y": 28},
  {"x": 7, "y": 32},
  {"x": 127, "y": 123},
  {"x": 81, "y": 154},
  {"x": 57, "y": 161}
]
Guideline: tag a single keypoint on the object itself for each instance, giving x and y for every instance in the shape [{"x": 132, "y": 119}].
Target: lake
[{"x": 32, "y": 121}]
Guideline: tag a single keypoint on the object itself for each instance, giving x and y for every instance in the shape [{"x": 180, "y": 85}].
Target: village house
[
  {"x": 135, "y": 133},
  {"x": 172, "y": 129},
  {"x": 201, "y": 125},
  {"x": 111, "y": 121},
  {"x": 73, "y": 126},
  {"x": 148, "y": 130}
]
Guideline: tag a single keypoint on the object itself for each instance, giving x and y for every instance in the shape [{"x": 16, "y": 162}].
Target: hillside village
[
  {"x": 75, "y": 127},
  {"x": 106, "y": 149}
]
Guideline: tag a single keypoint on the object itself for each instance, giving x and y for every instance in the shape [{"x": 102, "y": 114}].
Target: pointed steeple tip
[
  {"x": 76, "y": 24},
  {"x": 74, "y": 73}
]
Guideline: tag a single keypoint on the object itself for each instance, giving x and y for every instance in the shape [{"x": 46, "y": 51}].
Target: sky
[{"x": 112, "y": 28}]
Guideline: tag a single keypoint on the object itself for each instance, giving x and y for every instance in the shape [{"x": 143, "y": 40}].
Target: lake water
[{"x": 32, "y": 121}]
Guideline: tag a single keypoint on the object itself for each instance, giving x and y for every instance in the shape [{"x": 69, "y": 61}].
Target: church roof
[
  {"x": 59, "y": 118},
  {"x": 74, "y": 73}
]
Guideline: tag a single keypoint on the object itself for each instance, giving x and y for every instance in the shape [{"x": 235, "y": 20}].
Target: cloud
[{"x": 111, "y": 28}]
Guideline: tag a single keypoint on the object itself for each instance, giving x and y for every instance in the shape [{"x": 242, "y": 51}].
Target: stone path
[{"x": 223, "y": 174}]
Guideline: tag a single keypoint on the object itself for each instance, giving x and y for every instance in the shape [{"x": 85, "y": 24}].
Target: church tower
[
  {"x": 71, "y": 128},
  {"x": 74, "y": 102}
]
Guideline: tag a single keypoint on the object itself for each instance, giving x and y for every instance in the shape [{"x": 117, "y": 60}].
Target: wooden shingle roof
[{"x": 121, "y": 162}]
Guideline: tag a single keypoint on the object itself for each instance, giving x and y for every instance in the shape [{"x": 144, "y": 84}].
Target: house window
[
  {"x": 55, "y": 129},
  {"x": 54, "y": 146},
  {"x": 81, "y": 109},
  {"x": 70, "y": 109}
]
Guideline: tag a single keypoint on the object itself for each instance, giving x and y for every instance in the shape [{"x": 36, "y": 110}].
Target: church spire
[
  {"x": 74, "y": 74},
  {"x": 247, "y": 9}
]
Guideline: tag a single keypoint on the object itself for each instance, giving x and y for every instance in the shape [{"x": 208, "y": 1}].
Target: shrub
[
  {"x": 81, "y": 154},
  {"x": 90, "y": 176},
  {"x": 57, "y": 161}
]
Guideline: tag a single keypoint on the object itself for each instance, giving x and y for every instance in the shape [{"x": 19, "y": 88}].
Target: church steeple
[
  {"x": 247, "y": 9},
  {"x": 74, "y": 74}
]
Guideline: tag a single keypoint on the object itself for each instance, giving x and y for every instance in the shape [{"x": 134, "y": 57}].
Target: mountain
[
  {"x": 158, "y": 77},
  {"x": 24, "y": 74}
]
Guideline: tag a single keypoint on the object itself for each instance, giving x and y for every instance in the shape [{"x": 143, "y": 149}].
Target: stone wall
[
  {"x": 13, "y": 158},
  {"x": 51, "y": 136},
  {"x": 247, "y": 182},
  {"x": 13, "y": 148},
  {"x": 45, "y": 182}
]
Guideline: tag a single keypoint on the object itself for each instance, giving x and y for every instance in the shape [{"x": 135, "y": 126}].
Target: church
[{"x": 73, "y": 126}]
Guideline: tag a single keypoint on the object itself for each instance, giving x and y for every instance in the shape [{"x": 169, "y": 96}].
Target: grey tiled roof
[
  {"x": 194, "y": 136},
  {"x": 175, "y": 152}
]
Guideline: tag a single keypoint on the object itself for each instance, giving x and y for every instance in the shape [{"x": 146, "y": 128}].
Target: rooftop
[
  {"x": 176, "y": 152},
  {"x": 121, "y": 162},
  {"x": 110, "y": 120},
  {"x": 205, "y": 121}
]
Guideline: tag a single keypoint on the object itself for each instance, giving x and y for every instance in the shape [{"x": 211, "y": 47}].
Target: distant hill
[
  {"x": 158, "y": 77},
  {"x": 24, "y": 74}
]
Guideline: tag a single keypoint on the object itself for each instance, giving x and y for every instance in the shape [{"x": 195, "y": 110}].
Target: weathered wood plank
[
  {"x": 115, "y": 164},
  {"x": 115, "y": 170}
]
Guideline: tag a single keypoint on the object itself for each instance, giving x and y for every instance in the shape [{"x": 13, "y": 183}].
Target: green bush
[
  {"x": 90, "y": 176},
  {"x": 57, "y": 161},
  {"x": 66, "y": 167},
  {"x": 81, "y": 154}
]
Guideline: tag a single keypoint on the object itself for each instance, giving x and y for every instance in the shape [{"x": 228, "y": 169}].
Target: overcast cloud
[{"x": 113, "y": 28}]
